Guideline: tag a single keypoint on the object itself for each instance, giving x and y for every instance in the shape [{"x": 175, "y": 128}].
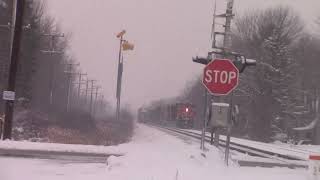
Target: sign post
[
  {"x": 204, "y": 120},
  {"x": 221, "y": 77},
  {"x": 229, "y": 127},
  {"x": 314, "y": 167}
]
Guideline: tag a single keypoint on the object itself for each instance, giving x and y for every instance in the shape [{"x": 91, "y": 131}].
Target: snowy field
[{"x": 151, "y": 155}]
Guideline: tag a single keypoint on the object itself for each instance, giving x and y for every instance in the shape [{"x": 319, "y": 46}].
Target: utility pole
[
  {"x": 96, "y": 100},
  {"x": 52, "y": 51},
  {"x": 100, "y": 103},
  {"x": 202, "y": 147},
  {"x": 70, "y": 73},
  {"x": 18, "y": 14},
  {"x": 4, "y": 57},
  {"x": 91, "y": 95},
  {"x": 80, "y": 82},
  {"x": 52, "y": 43},
  {"x": 86, "y": 91},
  {"x": 101, "y": 100},
  {"x": 5, "y": 62}
]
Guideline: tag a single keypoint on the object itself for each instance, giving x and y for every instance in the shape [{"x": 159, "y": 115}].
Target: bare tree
[{"x": 269, "y": 36}]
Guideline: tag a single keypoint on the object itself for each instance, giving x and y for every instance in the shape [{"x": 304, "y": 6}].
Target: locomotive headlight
[{"x": 187, "y": 109}]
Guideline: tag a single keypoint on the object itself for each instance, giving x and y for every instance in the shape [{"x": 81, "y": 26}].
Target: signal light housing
[
  {"x": 201, "y": 60},
  {"x": 241, "y": 62}
]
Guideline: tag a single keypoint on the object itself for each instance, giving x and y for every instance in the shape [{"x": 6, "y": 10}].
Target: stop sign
[{"x": 220, "y": 77}]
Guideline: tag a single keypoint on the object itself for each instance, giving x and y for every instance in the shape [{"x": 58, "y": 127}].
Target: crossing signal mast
[
  {"x": 221, "y": 48},
  {"x": 224, "y": 50}
]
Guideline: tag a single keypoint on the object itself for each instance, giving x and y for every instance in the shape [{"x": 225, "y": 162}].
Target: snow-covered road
[
  {"x": 35, "y": 169},
  {"x": 151, "y": 155}
]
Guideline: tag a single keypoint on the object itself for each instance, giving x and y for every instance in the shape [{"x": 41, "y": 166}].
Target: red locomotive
[{"x": 181, "y": 115}]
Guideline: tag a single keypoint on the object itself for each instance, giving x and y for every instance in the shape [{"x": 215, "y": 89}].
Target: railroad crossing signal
[
  {"x": 241, "y": 62},
  {"x": 220, "y": 77}
]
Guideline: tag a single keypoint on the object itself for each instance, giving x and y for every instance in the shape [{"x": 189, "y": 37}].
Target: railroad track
[
  {"x": 291, "y": 153},
  {"x": 289, "y": 160}
]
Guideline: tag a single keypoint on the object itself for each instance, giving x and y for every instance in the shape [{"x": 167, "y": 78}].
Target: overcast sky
[{"x": 166, "y": 34}]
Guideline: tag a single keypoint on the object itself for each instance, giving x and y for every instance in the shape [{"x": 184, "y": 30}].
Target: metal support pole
[
  {"x": 118, "y": 109},
  {"x": 217, "y": 129},
  {"x": 120, "y": 69},
  {"x": 216, "y": 137},
  {"x": 1, "y": 127},
  {"x": 226, "y": 44},
  {"x": 229, "y": 15},
  {"x": 202, "y": 147},
  {"x": 229, "y": 130},
  {"x": 15, "y": 49}
]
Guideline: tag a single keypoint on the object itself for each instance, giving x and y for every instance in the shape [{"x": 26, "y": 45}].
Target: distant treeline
[{"x": 47, "y": 74}]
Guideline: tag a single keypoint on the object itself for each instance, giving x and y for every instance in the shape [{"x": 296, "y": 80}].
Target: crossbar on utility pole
[
  {"x": 52, "y": 46},
  {"x": 18, "y": 14}
]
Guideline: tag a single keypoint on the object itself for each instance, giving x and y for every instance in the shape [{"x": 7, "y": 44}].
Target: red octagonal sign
[{"x": 220, "y": 77}]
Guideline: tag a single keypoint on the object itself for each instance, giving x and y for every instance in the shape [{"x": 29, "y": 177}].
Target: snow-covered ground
[
  {"x": 35, "y": 169},
  {"x": 151, "y": 155}
]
